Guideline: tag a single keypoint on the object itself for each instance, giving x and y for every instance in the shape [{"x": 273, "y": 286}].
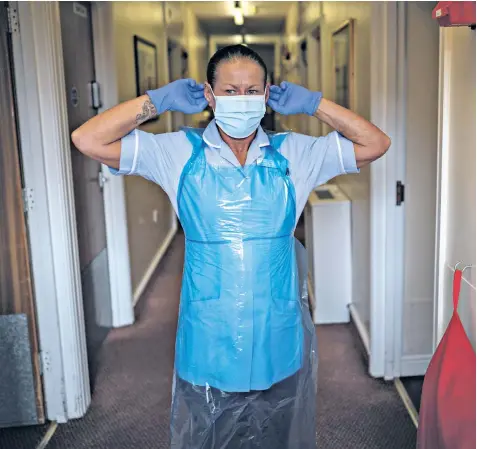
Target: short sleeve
[
  {"x": 157, "y": 157},
  {"x": 316, "y": 160},
  {"x": 313, "y": 161}
]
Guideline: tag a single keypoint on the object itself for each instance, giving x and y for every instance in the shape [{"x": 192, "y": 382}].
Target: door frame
[
  {"x": 122, "y": 302},
  {"x": 443, "y": 154},
  {"x": 232, "y": 39},
  {"x": 314, "y": 77},
  {"x": 388, "y": 41},
  {"x": 45, "y": 146}
]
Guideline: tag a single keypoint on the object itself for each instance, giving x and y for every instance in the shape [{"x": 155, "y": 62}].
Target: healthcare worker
[{"x": 245, "y": 365}]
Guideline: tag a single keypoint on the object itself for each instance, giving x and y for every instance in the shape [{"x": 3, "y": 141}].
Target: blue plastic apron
[{"x": 240, "y": 322}]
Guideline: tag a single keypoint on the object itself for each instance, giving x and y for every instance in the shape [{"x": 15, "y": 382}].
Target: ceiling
[
  {"x": 264, "y": 17},
  {"x": 252, "y": 25}
]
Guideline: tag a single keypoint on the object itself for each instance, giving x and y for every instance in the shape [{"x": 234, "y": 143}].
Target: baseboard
[
  {"x": 414, "y": 365},
  {"x": 361, "y": 328},
  {"x": 407, "y": 401},
  {"x": 154, "y": 263}
]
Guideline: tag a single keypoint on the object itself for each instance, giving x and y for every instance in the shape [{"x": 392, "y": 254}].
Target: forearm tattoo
[{"x": 148, "y": 111}]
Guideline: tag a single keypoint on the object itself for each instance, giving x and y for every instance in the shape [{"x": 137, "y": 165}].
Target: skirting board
[
  {"x": 414, "y": 365},
  {"x": 363, "y": 333},
  {"x": 407, "y": 401},
  {"x": 155, "y": 262}
]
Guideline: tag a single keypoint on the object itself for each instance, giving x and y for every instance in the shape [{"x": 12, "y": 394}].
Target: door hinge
[
  {"x": 12, "y": 15},
  {"x": 40, "y": 362},
  {"x": 102, "y": 180},
  {"x": 28, "y": 201},
  {"x": 399, "y": 193}
]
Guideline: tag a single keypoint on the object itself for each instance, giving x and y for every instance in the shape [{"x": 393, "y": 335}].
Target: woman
[{"x": 245, "y": 349}]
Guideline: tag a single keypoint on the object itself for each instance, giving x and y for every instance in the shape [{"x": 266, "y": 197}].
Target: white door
[
  {"x": 421, "y": 130},
  {"x": 404, "y": 86}
]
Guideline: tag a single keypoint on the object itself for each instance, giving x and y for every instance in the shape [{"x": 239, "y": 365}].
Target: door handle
[{"x": 95, "y": 95}]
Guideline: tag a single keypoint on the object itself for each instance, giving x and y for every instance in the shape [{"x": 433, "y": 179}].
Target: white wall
[
  {"x": 357, "y": 187},
  {"x": 146, "y": 20},
  {"x": 457, "y": 241},
  {"x": 183, "y": 27},
  {"x": 153, "y": 21}
]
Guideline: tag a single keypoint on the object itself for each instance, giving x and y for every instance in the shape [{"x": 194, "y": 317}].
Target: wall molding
[
  {"x": 361, "y": 328},
  {"x": 414, "y": 365}
]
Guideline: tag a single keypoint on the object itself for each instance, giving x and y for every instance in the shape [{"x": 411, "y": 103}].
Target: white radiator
[{"x": 328, "y": 241}]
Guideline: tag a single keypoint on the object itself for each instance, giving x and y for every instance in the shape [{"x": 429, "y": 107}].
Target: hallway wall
[
  {"x": 153, "y": 21},
  {"x": 142, "y": 197},
  {"x": 357, "y": 187},
  {"x": 459, "y": 184},
  {"x": 183, "y": 26}
]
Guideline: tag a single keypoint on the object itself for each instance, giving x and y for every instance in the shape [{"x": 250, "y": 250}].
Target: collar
[{"x": 212, "y": 137}]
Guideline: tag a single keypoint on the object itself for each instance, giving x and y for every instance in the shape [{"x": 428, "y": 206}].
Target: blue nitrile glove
[
  {"x": 184, "y": 95},
  {"x": 289, "y": 99}
]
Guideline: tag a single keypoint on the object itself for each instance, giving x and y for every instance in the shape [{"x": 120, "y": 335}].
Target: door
[
  {"x": 177, "y": 70},
  {"x": 421, "y": 106},
  {"x": 21, "y": 394},
  {"x": 77, "y": 39}
]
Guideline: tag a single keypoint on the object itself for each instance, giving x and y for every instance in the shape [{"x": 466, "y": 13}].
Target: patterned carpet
[{"x": 131, "y": 402}]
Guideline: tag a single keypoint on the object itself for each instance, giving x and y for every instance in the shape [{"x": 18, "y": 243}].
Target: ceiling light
[{"x": 238, "y": 17}]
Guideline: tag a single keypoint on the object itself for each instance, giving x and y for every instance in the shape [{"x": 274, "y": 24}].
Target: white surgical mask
[{"x": 239, "y": 115}]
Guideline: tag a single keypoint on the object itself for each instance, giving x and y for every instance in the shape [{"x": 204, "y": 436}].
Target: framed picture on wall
[
  {"x": 145, "y": 58},
  {"x": 343, "y": 63}
]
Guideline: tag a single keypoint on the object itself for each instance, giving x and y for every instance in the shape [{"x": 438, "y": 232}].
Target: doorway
[
  {"x": 21, "y": 385},
  {"x": 83, "y": 102}
]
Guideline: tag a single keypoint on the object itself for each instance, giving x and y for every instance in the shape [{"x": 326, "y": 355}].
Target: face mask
[{"x": 239, "y": 115}]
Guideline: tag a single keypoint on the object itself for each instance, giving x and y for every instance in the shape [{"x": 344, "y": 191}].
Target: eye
[
  {"x": 252, "y": 92},
  {"x": 230, "y": 92}
]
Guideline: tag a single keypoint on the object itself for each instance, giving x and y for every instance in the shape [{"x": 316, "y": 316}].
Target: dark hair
[{"x": 229, "y": 53}]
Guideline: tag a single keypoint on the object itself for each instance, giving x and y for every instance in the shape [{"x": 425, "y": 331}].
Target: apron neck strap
[{"x": 456, "y": 289}]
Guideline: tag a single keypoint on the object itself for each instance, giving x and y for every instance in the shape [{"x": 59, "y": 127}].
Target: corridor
[
  {"x": 91, "y": 263},
  {"x": 131, "y": 401}
]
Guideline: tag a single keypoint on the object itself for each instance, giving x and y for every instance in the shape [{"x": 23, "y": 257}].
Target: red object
[
  {"x": 447, "y": 413},
  {"x": 454, "y": 13}
]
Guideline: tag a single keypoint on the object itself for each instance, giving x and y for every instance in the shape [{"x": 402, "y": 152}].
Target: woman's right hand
[{"x": 184, "y": 95}]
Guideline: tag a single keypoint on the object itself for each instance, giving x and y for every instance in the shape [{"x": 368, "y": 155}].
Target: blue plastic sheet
[{"x": 246, "y": 348}]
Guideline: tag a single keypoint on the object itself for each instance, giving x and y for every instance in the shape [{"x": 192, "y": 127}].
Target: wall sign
[{"x": 80, "y": 10}]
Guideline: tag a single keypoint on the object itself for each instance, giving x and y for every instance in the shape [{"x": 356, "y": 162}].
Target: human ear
[
  {"x": 267, "y": 92},
  {"x": 208, "y": 94}
]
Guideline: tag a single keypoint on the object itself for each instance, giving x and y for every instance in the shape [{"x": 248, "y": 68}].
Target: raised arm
[
  {"x": 100, "y": 137},
  {"x": 369, "y": 141}
]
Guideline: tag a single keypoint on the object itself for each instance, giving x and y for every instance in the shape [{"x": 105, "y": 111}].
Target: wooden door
[{"x": 20, "y": 377}]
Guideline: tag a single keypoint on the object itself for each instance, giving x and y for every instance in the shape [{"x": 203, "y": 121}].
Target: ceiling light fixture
[{"x": 238, "y": 14}]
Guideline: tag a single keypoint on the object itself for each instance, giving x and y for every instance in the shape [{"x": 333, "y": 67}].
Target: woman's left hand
[{"x": 289, "y": 99}]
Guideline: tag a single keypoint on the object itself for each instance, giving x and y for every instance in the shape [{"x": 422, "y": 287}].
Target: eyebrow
[{"x": 237, "y": 87}]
